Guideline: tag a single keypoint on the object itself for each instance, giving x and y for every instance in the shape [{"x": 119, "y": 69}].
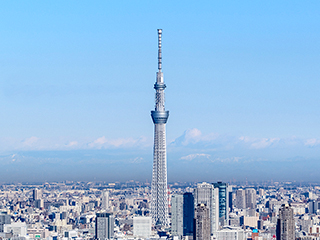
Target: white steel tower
[{"x": 159, "y": 191}]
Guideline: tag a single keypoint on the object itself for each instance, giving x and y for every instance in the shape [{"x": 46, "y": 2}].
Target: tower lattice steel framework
[{"x": 159, "y": 190}]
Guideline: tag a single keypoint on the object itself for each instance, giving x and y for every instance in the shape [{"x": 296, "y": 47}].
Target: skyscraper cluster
[
  {"x": 246, "y": 198},
  {"x": 208, "y": 202}
]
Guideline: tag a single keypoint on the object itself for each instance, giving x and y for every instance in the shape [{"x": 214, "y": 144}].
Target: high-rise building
[
  {"x": 159, "y": 189},
  {"x": 314, "y": 206},
  {"x": 182, "y": 214},
  {"x": 188, "y": 213},
  {"x": 104, "y": 226},
  {"x": 286, "y": 224},
  {"x": 4, "y": 219},
  {"x": 142, "y": 227},
  {"x": 36, "y": 194},
  {"x": 39, "y": 203},
  {"x": 223, "y": 202},
  {"x": 202, "y": 223},
  {"x": 206, "y": 193},
  {"x": 251, "y": 198},
  {"x": 177, "y": 215},
  {"x": 105, "y": 200},
  {"x": 240, "y": 199}
]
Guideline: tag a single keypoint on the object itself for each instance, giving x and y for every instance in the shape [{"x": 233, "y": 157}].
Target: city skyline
[{"x": 247, "y": 71}]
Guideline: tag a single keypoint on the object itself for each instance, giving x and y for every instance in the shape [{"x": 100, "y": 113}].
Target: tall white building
[
  {"x": 37, "y": 194},
  {"x": 105, "y": 200},
  {"x": 206, "y": 193},
  {"x": 142, "y": 227},
  {"x": 159, "y": 189}
]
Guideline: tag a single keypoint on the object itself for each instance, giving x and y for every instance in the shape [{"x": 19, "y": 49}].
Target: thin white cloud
[
  {"x": 224, "y": 160},
  {"x": 72, "y": 144},
  {"x": 259, "y": 143},
  {"x": 103, "y": 142},
  {"x": 312, "y": 142},
  {"x": 137, "y": 160},
  {"x": 30, "y": 141},
  {"x": 192, "y": 142},
  {"x": 191, "y": 157}
]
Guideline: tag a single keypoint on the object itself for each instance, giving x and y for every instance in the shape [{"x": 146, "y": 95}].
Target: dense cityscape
[
  {"x": 83, "y": 210},
  {"x": 132, "y": 210},
  {"x": 77, "y": 139}
]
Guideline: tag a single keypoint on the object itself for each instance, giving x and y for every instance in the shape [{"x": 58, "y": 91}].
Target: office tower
[
  {"x": 202, "y": 223},
  {"x": 104, "y": 226},
  {"x": 4, "y": 219},
  {"x": 182, "y": 214},
  {"x": 105, "y": 200},
  {"x": 177, "y": 215},
  {"x": 223, "y": 202},
  {"x": 205, "y": 193},
  {"x": 261, "y": 192},
  {"x": 142, "y": 227},
  {"x": 188, "y": 214},
  {"x": 240, "y": 199},
  {"x": 36, "y": 194},
  {"x": 39, "y": 203},
  {"x": 314, "y": 206},
  {"x": 285, "y": 225},
  {"x": 251, "y": 198},
  {"x": 232, "y": 196},
  {"x": 159, "y": 191}
]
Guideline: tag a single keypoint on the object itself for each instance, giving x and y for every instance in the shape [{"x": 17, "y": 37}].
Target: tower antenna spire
[{"x": 159, "y": 50}]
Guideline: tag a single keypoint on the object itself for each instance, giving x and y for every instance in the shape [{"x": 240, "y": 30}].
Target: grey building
[
  {"x": 240, "y": 199},
  {"x": 104, "y": 226},
  {"x": 251, "y": 198},
  {"x": 4, "y": 219},
  {"x": 206, "y": 193},
  {"x": 314, "y": 206},
  {"x": 202, "y": 223},
  {"x": 105, "y": 200},
  {"x": 285, "y": 225},
  {"x": 177, "y": 215},
  {"x": 182, "y": 214}
]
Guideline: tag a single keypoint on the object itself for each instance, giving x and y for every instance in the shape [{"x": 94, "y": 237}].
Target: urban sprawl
[{"x": 100, "y": 210}]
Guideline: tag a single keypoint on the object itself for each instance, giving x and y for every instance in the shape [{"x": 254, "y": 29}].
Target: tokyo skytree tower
[{"x": 159, "y": 190}]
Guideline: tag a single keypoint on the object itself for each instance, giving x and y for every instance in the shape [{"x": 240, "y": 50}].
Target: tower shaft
[{"x": 159, "y": 191}]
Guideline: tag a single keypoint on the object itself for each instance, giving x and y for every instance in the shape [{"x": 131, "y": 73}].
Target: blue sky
[{"x": 76, "y": 82}]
